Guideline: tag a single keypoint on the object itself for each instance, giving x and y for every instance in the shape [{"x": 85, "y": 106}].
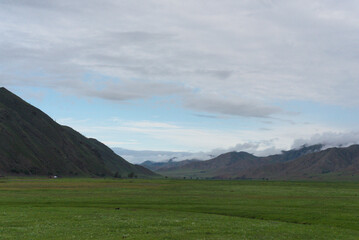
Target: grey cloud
[
  {"x": 261, "y": 51},
  {"x": 231, "y": 106}
]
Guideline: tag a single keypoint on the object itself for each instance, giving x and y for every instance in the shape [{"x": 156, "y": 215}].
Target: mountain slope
[
  {"x": 330, "y": 163},
  {"x": 32, "y": 143}
]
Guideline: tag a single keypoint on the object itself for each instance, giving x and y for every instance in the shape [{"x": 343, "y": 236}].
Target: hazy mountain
[
  {"x": 231, "y": 164},
  {"x": 32, "y": 143},
  {"x": 162, "y": 166}
]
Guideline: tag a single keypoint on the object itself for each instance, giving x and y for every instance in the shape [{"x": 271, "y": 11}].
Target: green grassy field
[{"x": 177, "y": 209}]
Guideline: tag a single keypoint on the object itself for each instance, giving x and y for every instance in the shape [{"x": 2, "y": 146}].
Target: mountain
[
  {"x": 332, "y": 163},
  {"x": 162, "y": 166},
  {"x": 230, "y": 165},
  {"x": 31, "y": 143}
]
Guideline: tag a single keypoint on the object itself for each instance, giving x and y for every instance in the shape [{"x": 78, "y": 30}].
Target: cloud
[
  {"x": 231, "y": 106},
  {"x": 330, "y": 139},
  {"x": 222, "y": 57}
]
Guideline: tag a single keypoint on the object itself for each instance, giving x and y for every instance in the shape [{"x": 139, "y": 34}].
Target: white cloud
[{"x": 330, "y": 139}]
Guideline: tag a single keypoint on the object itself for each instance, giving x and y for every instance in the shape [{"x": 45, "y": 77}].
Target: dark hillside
[{"x": 31, "y": 143}]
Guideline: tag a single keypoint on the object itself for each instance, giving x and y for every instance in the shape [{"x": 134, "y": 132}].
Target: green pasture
[{"x": 177, "y": 209}]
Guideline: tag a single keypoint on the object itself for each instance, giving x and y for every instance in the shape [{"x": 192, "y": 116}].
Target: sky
[{"x": 194, "y": 76}]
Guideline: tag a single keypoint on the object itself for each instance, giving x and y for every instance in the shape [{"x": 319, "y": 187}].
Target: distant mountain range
[
  {"x": 140, "y": 156},
  {"x": 308, "y": 162},
  {"x": 31, "y": 143},
  {"x": 162, "y": 166}
]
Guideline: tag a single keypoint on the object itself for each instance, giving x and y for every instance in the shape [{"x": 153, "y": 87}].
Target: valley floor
[{"x": 177, "y": 209}]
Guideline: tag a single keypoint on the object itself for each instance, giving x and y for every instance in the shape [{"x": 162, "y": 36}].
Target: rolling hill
[{"x": 31, "y": 143}]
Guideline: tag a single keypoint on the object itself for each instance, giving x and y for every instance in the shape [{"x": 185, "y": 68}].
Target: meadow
[{"x": 33, "y": 208}]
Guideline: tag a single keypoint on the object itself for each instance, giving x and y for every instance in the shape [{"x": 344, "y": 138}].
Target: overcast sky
[{"x": 188, "y": 75}]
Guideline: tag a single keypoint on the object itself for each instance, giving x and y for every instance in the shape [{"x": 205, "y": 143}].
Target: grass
[{"x": 177, "y": 209}]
